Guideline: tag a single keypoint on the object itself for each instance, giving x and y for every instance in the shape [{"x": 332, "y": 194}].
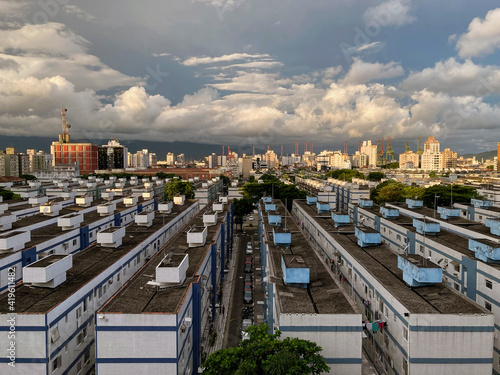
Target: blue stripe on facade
[
  {"x": 451, "y": 328},
  {"x": 450, "y": 360},
  {"x": 136, "y": 328},
  {"x": 71, "y": 337},
  {"x": 321, "y": 328},
  {"x": 24, "y": 360},
  {"x": 343, "y": 360},
  {"x": 23, "y": 328}
]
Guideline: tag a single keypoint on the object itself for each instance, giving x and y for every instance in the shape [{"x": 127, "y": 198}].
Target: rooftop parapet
[
  {"x": 14, "y": 241},
  {"x": 414, "y": 203},
  {"x": 419, "y": 271},
  {"x": 48, "y": 272},
  {"x": 210, "y": 218},
  {"x": 145, "y": 219},
  {"x": 38, "y": 201},
  {"x": 322, "y": 207},
  {"x": 486, "y": 250},
  {"x": 84, "y": 201},
  {"x": 389, "y": 213},
  {"x": 311, "y": 200},
  {"x": 69, "y": 222},
  {"x": 367, "y": 237},
  {"x": 340, "y": 219},
  {"x": 106, "y": 209},
  {"x": 480, "y": 203},
  {"x": 130, "y": 201},
  {"x": 447, "y": 212},
  {"x": 365, "y": 203},
  {"x": 295, "y": 270},
  {"x": 494, "y": 225},
  {"x": 111, "y": 237},
  {"x": 426, "y": 228},
  {"x": 270, "y": 207},
  {"x": 267, "y": 199},
  {"x": 165, "y": 207}
]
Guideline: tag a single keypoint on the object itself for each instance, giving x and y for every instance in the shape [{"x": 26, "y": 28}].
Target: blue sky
[{"x": 257, "y": 72}]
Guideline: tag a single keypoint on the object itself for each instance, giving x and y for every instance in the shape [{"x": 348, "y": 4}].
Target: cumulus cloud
[
  {"x": 482, "y": 36},
  {"x": 390, "y": 13},
  {"x": 193, "y": 61},
  {"x": 79, "y": 13},
  {"x": 361, "y": 71},
  {"x": 456, "y": 78}
]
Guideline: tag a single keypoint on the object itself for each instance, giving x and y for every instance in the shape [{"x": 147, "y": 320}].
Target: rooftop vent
[
  {"x": 270, "y": 207},
  {"x": 84, "y": 201},
  {"x": 165, "y": 207},
  {"x": 179, "y": 200},
  {"x": 37, "y": 201},
  {"x": 282, "y": 237},
  {"x": 68, "y": 194},
  {"x": 365, "y": 203},
  {"x": 447, "y": 213},
  {"x": 34, "y": 184},
  {"x": 322, "y": 207},
  {"x": 340, "y": 219},
  {"x": 71, "y": 221},
  {"x": 148, "y": 195},
  {"x": 486, "y": 250},
  {"x": 145, "y": 219},
  {"x": 91, "y": 185},
  {"x": 108, "y": 195},
  {"x": 414, "y": 203},
  {"x": 144, "y": 180},
  {"x": 148, "y": 185},
  {"x": 6, "y": 222},
  {"x": 197, "y": 236},
  {"x": 210, "y": 218},
  {"x": 389, "y": 213},
  {"x": 494, "y": 225},
  {"x": 111, "y": 237},
  {"x": 172, "y": 269},
  {"x": 130, "y": 201},
  {"x": 295, "y": 270},
  {"x": 367, "y": 237},
  {"x": 223, "y": 199},
  {"x": 14, "y": 241},
  {"x": 419, "y": 271},
  {"x": 133, "y": 182},
  {"x": 48, "y": 272},
  {"x": 274, "y": 220},
  {"x": 311, "y": 200},
  {"x": 51, "y": 208},
  {"x": 479, "y": 203},
  {"x": 426, "y": 228},
  {"x": 106, "y": 209},
  {"x": 267, "y": 199},
  {"x": 218, "y": 207},
  {"x": 3, "y": 207}
]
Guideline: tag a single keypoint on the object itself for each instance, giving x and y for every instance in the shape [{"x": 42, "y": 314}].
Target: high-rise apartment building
[
  {"x": 271, "y": 159},
  {"x": 371, "y": 151},
  {"x": 449, "y": 159},
  {"x": 170, "y": 158},
  {"x": 432, "y": 159},
  {"x": 409, "y": 160},
  {"x": 112, "y": 156},
  {"x": 431, "y": 145}
]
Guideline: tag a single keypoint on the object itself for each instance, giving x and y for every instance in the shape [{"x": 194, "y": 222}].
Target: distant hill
[{"x": 483, "y": 155}]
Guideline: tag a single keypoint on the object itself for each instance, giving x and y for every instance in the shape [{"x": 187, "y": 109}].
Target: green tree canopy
[
  {"x": 445, "y": 193},
  {"x": 264, "y": 353},
  {"x": 279, "y": 190},
  {"x": 28, "y": 177},
  {"x": 345, "y": 174},
  {"x": 393, "y": 191},
  {"x": 162, "y": 175},
  {"x": 178, "y": 187},
  {"x": 7, "y": 194},
  {"x": 393, "y": 165},
  {"x": 375, "y": 176},
  {"x": 225, "y": 180}
]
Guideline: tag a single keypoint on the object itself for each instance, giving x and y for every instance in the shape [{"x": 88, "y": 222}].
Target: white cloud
[
  {"x": 361, "y": 71},
  {"x": 390, "y": 13},
  {"x": 163, "y": 54},
  {"x": 456, "y": 78},
  {"x": 193, "y": 61},
  {"x": 79, "y": 13},
  {"x": 482, "y": 36}
]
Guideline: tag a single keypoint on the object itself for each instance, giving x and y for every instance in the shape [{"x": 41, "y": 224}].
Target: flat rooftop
[
  {"x": 382, "y": 264},
  {"x": 323, "y": 296},
  {"x": 137, "y": 297},
  {"x": 27, "y": 205},
  {"x": 87, "y": 264},
  {"x": 48, "y": 232}
]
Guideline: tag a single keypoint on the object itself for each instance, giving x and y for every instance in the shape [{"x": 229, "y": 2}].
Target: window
[
  {"x": 78, "y": 313},
  {"x": 104, "y": 289},
  {"x": 86, "y": 357},
  {"x": 85, "y": 304},
  {"x": 84, "y": 331},
  {"x": 398, "y": 237},
  {"x": 405, "y": 333},
  {"x": 489, "y": 284},
  {"x": 480, "y": 217},
  {"x": 405, "y": 366},
  {"x": 79, "y": 338},
  {"x": 430, "y": 253},
  {"x": 91, "y": 234},
  {"x": 421, "y": 249},
  {"x": 100, "y": 291},
  {"x": 457, "y": 287},
  {"x": 74, "y": 242},
  {"x": 487, "y": 305},
  {"x": 79, "y": 367},
  {"x": 56, "y": 363},
  {"x": 118, "y": 277},
  {"x": 66, "y": 319}
]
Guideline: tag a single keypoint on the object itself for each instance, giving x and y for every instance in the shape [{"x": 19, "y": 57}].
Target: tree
[
  {"x": 432, "y": 174},
  {"x": 242, "y": 207},
  {"x": 447, "y": 194},
  {"x": 375, "y": 176},
  {"x": 225, "y": 180},
  {"x": 276, "y": 188},
  {"x": 393, "y": 191},
  {"x": 7, "y": 194},
  {"x": 178, "y": 187},
  {"x": 163, "y": 176},
  {"x": 264, "y": 353},
  {"x": 345, "y": 174},
  {"x": 28, "y": 177},
  {"x": 393, "y": 165}
]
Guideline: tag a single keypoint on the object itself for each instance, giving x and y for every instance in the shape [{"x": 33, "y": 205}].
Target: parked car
[
  {"x": 244, "y": 325},
  {"x": 249, "y": 248},
  {"x": 248, "y": 297},
  {"x": 248, "y": 278},
  {"x": 249, "y": 259},
  {"x": 249, "y": 287},
  {"x": 250, "y": 218},
  {"x": 248, "y": 267}
]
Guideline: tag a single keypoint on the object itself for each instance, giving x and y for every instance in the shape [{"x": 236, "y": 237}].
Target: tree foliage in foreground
[
  {"x": 277, "y": 189},
  {"x": 178, "y": 187},
  {"x": 266, "y": 354},
  {"x": 345, "y": 174},
  {"x": 393, "y": 191}
]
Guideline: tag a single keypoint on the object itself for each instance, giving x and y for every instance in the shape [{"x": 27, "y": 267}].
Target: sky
[{"x": 241, "y": 72}]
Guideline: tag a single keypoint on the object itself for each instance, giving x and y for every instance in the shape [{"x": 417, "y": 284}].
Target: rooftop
[
  {"x": 381, "y": 262},
  {"x": 87, "y": 264},
  {"x": 137, "y": 297},
  {"x": 323, "y": 296}
]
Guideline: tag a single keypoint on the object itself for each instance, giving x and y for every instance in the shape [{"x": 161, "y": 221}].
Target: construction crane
[
  {"x": 389, "y": 152},
  {"x": 64, "y": 136},
  {"x": 419, "y": 146},
  {"x": 407, "y": 146}
]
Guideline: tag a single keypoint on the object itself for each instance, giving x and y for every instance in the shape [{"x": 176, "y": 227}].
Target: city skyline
[{"x": 221, "y": 72}]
